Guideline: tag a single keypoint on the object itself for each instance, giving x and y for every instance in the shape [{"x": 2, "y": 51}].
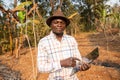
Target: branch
[
  {"x": 52, "y": 5},
  {"x": 61, "y": 1},
  {"x": 3, "y": 9},
  {"x": 38, "y": 14},
  {"x": 33, "y": 8}
]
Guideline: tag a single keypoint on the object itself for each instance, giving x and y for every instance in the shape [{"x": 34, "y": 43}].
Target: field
[{"x": 106, "y": 67}]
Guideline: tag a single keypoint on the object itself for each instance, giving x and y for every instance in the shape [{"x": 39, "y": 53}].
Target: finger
[
  {"x": 73, "y": 63},
  {"x": 82, "y": 68},
  {"x": 85, "y": 67},
  {"x": 74, "y": 58}
]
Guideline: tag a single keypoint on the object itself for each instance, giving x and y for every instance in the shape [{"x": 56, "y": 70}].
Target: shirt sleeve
[
  {"x": 43, "y": 63},
  {"x": 76, "y": 52}
]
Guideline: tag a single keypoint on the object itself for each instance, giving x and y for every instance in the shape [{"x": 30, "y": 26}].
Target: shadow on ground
[{"x": 107, "y": 63}]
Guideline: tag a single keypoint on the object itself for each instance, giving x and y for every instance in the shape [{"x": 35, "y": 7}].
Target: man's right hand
[{"x": 69, "y": 62}]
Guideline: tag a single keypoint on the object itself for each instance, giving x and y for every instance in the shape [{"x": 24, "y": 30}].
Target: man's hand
[
  {"x": 69, "y": 62},
  {"x": 84, "y": 66}
]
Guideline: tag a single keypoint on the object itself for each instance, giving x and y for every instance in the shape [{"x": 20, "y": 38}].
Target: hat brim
[{"x": 48, "y": 21}]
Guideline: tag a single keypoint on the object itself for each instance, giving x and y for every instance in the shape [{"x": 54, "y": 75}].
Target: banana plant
[{"x": 116, "y": 16}]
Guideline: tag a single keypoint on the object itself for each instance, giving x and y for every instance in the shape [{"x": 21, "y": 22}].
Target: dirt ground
[{"x": 106, "y": 67}]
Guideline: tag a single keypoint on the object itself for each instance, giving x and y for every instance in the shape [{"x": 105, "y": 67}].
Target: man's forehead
[{"x": 58, "y": 20}]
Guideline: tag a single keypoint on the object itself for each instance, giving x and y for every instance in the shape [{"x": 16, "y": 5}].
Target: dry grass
[{"x": 107, "y": 65}]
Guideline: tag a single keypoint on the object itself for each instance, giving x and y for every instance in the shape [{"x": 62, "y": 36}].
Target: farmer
[{"x": 57, "y": 52}]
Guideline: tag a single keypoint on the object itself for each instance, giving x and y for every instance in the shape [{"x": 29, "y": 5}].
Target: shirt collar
[{"x": 53, "y": 35}]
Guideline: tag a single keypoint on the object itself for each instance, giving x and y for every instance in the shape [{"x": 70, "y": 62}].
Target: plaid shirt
[{"x": 51, "y": 51}]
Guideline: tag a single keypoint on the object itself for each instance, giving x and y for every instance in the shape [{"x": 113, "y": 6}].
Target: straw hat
[{"x": 58, "y": 15}]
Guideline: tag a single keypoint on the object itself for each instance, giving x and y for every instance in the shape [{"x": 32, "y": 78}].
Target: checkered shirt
[{"x": 51, "y": 51}]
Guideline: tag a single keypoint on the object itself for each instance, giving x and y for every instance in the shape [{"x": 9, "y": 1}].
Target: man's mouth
[{"x": 59, "y": 29}]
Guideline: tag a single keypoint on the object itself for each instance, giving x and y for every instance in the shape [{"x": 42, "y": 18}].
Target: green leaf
[
  {"x": 21, "y": 16},
  {"x": 22, "y": 5}
]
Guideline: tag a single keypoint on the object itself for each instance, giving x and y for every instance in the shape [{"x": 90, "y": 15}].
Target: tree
[
  {"x": 90, "y": 10},
  {"x": 116, "y": 16}
]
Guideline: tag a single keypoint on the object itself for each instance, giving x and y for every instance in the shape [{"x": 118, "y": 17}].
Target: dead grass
[{"x": 107, "y": 66}]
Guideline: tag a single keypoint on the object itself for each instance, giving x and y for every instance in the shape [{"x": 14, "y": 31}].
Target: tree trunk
[
  {"x": 11, "y": 42},
  {"x": 15, "y": 3}
]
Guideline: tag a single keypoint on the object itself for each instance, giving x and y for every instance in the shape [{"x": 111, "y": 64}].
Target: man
[{"x": 58, "y": 53}]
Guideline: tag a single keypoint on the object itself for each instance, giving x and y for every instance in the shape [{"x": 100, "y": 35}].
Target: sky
[
  {"x": 8, "y": 2},
  {"x": 111, "y": 2}
]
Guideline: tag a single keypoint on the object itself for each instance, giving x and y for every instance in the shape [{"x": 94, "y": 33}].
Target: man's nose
[{"x": 59, "y": 24}]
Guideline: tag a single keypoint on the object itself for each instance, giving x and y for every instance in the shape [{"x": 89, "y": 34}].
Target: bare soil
[{"x": 106, "y": 67}]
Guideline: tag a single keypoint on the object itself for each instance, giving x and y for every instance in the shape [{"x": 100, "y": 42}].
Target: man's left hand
[{"x": 84, "y": 66}]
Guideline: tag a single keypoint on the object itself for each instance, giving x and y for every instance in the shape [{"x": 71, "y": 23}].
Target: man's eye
[
  {"x": 55, "y": 22},
  {"x": 62, "y": 22}
]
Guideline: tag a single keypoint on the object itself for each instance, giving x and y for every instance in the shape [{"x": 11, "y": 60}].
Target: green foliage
[
  {"x": 68, "y": 8},
  {"x": 44, "y": 7},
  {"x": 88, "y": 11},
  {"x": 92, "y": 10},
  {"x": 21, "y": 16},
  {"x": 23, "y": 4},
  {"x": 114, "y": 17},
  {"x": 41, "y": 30},
  {"x": 4, "y": 35}
]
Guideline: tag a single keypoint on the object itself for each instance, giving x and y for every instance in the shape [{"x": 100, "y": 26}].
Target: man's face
[{"x": 58, "y": 26}]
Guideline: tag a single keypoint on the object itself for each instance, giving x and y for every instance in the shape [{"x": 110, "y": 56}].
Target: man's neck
[{"x": 58, "y": 35}]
